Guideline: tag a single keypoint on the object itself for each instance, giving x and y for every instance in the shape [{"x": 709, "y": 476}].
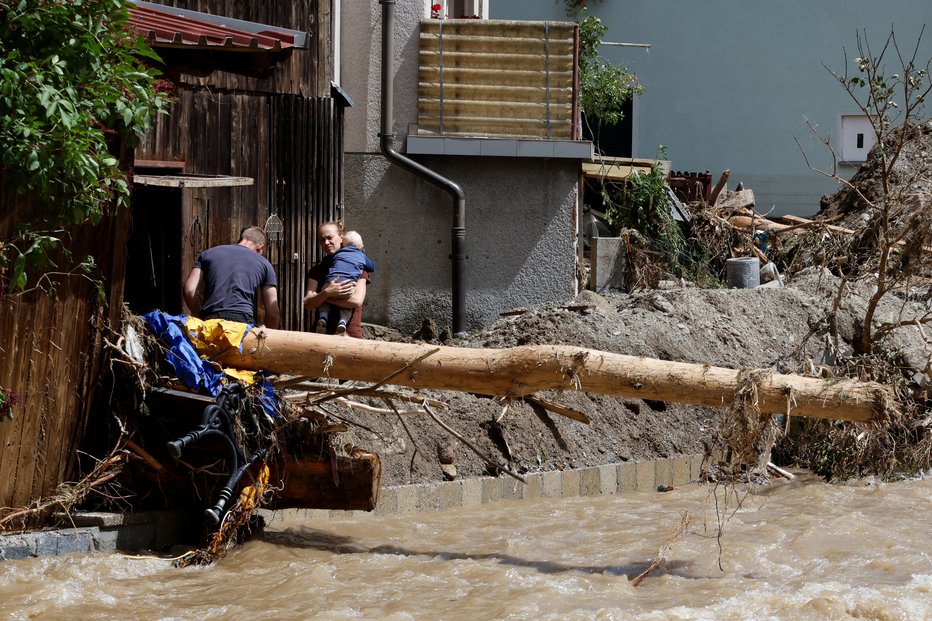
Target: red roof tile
[{"x": 166, "y": 28}]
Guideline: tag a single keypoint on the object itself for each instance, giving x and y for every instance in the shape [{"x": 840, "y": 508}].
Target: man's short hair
[{"x": 253, "y": 234}]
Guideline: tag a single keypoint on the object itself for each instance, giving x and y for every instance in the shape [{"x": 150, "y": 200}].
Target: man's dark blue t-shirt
[{"x": 232, "y": 276}]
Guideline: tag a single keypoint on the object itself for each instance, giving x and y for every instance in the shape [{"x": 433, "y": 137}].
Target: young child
[{"x": 347, "y": 263}]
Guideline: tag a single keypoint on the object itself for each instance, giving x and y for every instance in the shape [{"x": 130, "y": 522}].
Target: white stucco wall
[{"x": 520, "y": 212}]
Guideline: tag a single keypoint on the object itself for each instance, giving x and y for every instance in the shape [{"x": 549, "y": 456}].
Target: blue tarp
[
  {"x": 196, "y": 372},
  {"x": 191, "y": 369}
]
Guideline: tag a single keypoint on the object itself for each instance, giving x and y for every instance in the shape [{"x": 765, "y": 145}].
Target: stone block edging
[
  {"x": 608, "y": 479},
  {"x": 109, "y": 532}
]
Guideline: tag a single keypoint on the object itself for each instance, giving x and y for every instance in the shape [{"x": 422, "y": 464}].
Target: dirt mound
[
  {"x": 782, "y": 328},
  {"x": 911, "y": 176}
]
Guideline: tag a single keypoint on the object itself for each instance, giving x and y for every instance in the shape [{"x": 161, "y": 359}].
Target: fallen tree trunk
[{"x": 526, "y": 370}]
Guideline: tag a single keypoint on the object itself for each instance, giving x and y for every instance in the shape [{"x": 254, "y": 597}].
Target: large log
[{"x": 526, "y": 370}]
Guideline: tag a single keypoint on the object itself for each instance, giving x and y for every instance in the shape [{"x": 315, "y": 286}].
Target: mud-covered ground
[{"x": 780, "y": 328}]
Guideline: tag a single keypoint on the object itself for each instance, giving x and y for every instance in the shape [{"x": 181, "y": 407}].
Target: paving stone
[
  {"x": 533, "y": 486},
  {"x": 451, "y": 495},
  {"x": 663, "y": 472},
  {"x": 16, "y": 547},
  {"x": 552, "y": 484},
  {"x": 590, "y": 483},
  {"x": 491, "y": 490},
  {"x": 407, "y": 499},
  {"x": 72, "y": 540},
  {"x": 472, "y": 492},
  {"x": 681, "y": 468},
  {"x": 570, "y": 483},
  {"x": 608, "y": 478},
  {"x": 627, "y": 477},
  {"x": 512, "y": 489},
  {"x": 388, "y": 501},
  {"x": 695, "y": 468},
  {"x": 428, "y": 497},
  {"x": 645, "y": 476}
]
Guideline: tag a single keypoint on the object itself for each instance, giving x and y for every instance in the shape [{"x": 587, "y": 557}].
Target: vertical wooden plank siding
[
  {"x": 290, "y": 145},
  {"x": 274, "y": 130},
  {"x": 50, "y": 354}
]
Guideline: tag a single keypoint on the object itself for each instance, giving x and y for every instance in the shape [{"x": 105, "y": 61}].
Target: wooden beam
[
  {"x": 797, "y": 220},
  {"x": 191, "y": 181},
  {"x": 522, "y": 371}
]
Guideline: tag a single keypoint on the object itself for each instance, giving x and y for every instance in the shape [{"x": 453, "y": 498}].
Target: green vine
[
  {"x": 72, "y": 88},
  {"x": 642, "y": 203},
  {"x": 604, "y": 87},
  {"x": 8, "y": 399},
  {"x": 573, "y": 7}
]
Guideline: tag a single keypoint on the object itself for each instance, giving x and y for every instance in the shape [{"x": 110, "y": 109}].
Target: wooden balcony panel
[
  {"x": 496, "y": 62},
  {"x": 512, "y": 77},
  {"x": 500, "y": 29},
  {"x": 493, "y": 92},
  {"x": 495, "y": 109},
  {"x": 495, "y": 127},
  {"x": 503, "y": 79},
  {"x": 460, "y": 44}
]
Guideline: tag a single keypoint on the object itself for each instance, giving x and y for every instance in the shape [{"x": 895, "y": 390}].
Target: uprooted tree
[
  {"x": 886, "y": 251},
  {"x": 893, "y": 246}
]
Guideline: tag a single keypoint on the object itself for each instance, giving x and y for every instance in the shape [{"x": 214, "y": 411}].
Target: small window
[
  {"x": 857, "y": 138},
  {"x": 455, "y": 9}
]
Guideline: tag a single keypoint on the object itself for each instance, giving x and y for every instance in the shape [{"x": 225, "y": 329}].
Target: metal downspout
[{"x": 386, "y": 141}]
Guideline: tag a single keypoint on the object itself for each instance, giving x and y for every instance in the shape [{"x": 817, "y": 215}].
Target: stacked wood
[{"x": 758, "y": 223}]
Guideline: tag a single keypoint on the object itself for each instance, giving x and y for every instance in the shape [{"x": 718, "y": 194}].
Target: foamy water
[{"x": 801, "y": 550}]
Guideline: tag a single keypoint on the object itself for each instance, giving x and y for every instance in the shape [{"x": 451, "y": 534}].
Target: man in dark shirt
[{"x": 231, "y": 275}]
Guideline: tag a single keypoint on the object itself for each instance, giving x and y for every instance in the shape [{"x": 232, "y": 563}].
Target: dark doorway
[
  {"x": 617, "y": 139},
  {"x": 153, "y": 268}
]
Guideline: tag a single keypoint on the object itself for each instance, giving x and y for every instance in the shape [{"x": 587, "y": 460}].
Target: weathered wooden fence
[{"x": 51, "y": 354}]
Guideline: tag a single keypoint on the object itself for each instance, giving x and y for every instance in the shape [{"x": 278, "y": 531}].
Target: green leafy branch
[
  {"x": 36, "y": 250},
  {"x": 573, "y": 7},
  {"x": 72, "y": 89},
  {"x": 604, "y": 87}
]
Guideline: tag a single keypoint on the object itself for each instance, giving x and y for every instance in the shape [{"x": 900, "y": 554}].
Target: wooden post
[{"x": 526, "y": 370}]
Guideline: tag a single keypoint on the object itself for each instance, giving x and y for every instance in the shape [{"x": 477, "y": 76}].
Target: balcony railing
[{"x": 498, "y": 79}]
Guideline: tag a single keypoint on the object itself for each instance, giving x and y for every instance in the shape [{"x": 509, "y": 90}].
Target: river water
[{"x": 797, "y": 550}]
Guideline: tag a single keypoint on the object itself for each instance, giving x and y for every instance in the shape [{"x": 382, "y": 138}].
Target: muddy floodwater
[{"x": 801, "y": 550}]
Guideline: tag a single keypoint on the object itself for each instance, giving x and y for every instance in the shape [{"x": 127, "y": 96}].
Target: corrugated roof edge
[{"x": 300, "y": 37}]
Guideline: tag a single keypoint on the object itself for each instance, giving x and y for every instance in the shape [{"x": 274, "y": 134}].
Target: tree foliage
[
  {"x": 573, "y": 7},
  {"x": 72, "y": 85},
  {"x": 604, "y": 87}
]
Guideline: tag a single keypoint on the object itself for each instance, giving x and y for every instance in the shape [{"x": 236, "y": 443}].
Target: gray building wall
[
  {"x": 729, "y": 82},
  {"x": 520, "y": 221},
  {"x": 519, "y": 236}
]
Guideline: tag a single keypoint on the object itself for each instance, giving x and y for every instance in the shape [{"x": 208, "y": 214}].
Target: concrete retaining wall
[
  {"x": 105, "y": 532},
  {"x": 596, "y": 481},
  {"x": 110, "y": 532}
]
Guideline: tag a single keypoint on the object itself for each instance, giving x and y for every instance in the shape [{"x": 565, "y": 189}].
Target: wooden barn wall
[
  {"x": 292, "y": 147},
  {"x": 51, "y": 354},
  {"x": 305, "y": 72}
]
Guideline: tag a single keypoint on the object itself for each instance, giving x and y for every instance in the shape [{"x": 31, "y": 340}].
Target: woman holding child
[{"x": 336, "y": 287}]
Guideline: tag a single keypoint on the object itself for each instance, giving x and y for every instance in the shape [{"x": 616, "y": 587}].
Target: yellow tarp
[{"x": 214, "y": 335}]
